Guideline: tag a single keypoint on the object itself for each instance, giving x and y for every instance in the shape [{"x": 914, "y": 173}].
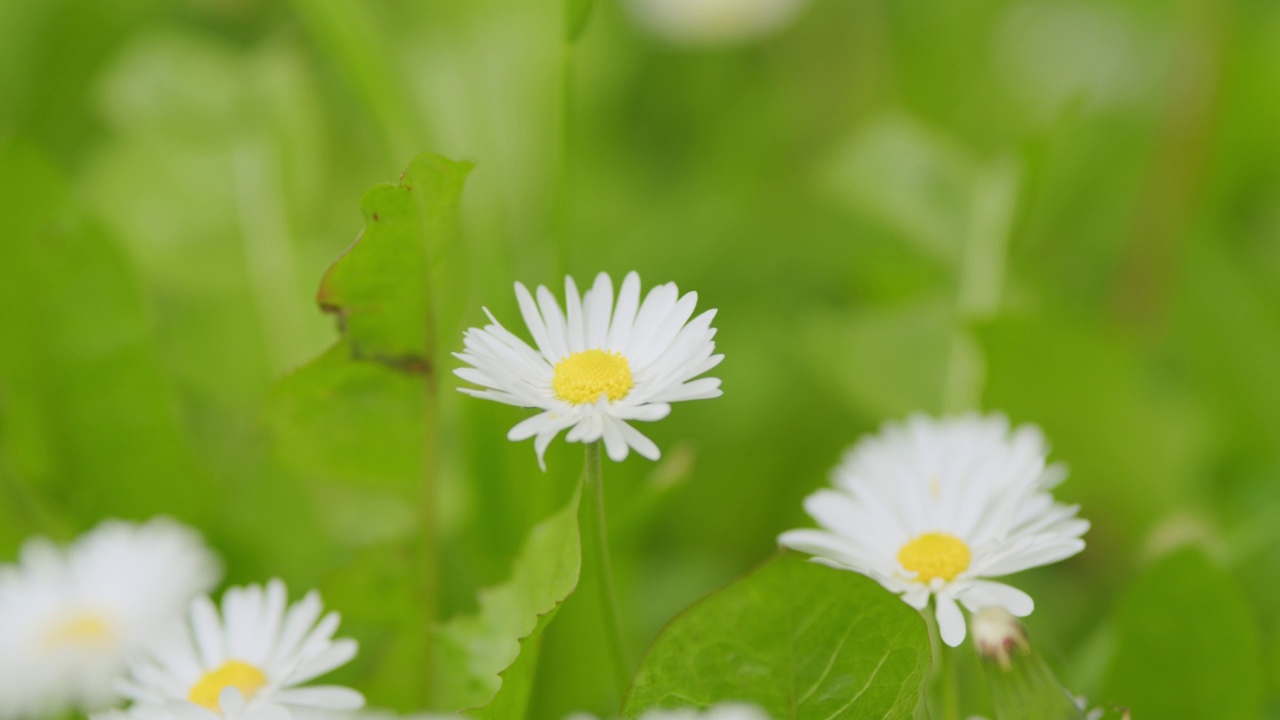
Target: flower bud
[{"x": 1021, "y": 683}]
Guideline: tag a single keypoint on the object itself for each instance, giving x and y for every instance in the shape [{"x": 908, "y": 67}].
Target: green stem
[
  {"x": 595, "y": 551},
  {"x": 950, "y": 685}
]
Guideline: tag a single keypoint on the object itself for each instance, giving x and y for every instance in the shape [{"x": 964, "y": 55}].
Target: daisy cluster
[
  {"x": 931, "y": 509},
  {"x": 122, "y": 614}
]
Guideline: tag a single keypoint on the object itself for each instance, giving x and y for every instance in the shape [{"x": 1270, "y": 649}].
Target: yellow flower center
[
  {"x": 585, "y": 376},
  {"x": 233, "y": 673},
  {"x": 935, "y": 555},
  {"x": 83, "y": 628}
]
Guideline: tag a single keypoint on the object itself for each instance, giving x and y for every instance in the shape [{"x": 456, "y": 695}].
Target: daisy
[
  {"x": 246, "y": 664},
  {"x": 931, "y": 508},
  {"x": 68, "y": 616},
  {"x": 598, "y": 367},
  {"x": 713, "y": 22}
]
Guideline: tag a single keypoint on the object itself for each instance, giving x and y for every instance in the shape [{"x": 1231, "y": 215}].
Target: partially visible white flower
[
  {"x": 68, "y": 616},
  {"x": 723, "y": 711},
  {"x": 597, "y": 367},
  {"x": 711, "y": 22},
  {"x": 931, "y": 508},
  {"x": 247, "y": 664}
]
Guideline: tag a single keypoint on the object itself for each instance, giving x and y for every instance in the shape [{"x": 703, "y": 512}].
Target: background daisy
[
  {"x": 597, "y": 367},
  {"x": 69, "y": 615},
  {"x": 246, "y": 661},
  {"x": 930, "y": 508}
]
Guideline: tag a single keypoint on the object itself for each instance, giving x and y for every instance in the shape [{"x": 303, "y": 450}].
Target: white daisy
[
  {"x": 69, "y": 616},
  {"x": 598, "y": 366},
  {"x": 713, "y": 22},
  {"x": 246, "y": 664},
  {"x": 933, "y": 507}
]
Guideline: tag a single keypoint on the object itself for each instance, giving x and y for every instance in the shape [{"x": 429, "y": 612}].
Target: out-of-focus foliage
[
  {"x": 1185, "y": 624},
  {"x": 1064, "y": 209}
]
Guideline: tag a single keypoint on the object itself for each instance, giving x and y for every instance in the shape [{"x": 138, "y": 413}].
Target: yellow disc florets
[
  {"x": 233, "y": 673},
  {"x": 81, "y": 629},
  {"x": 935, "y": 555},
  {"x": 585, "y": 376}
]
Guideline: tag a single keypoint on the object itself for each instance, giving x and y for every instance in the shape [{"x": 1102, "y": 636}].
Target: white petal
[
  {"x": 984, "y": 593},
  {"x": 638, "y": 442},
  {"x": 208, "y": 632},
  {"x": 950, "y": 620},
  {"x": 325, "y": 697},
  {"x": 336, "y": 655},
  {"x": 533, "y": 321},
  {"x": 598, "y": 308},
  {"x": 576, "y": 323},
  {"x": 624, "y": 316},
  {"x": 615, "y": 442}
]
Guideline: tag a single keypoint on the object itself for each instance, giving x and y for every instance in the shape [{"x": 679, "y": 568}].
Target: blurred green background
[{"x": 1066, "y": 210}]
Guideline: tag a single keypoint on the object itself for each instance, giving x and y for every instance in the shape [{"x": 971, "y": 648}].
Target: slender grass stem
[{"x": 595, "y": 551}]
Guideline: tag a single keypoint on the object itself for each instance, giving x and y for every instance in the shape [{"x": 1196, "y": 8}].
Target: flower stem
[
  {"x": 950, "y": 685},
  {"x": 595, "y": 551}
]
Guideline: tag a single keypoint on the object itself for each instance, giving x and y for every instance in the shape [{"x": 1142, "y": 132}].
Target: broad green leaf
[
  {"x": 391, "y": 286},
  {"x": 798, "y": 639},
  {"x": 475, "y": 649},
  {"x": 353, "y": 430},
  {"x": 1187, "y": 645},
  {"x": 512, "y": 700}
]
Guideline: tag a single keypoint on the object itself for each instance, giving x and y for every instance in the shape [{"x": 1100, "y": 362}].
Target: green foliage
[
  {"x": 1187, "y": 646},
  {"x": 799, "y": 639},
  {"x": 81, "y": 390},
  {"x": 357, "y": 427},
  {"x": 389, "y": 287},
  {"x": 502, "y": 637},
  {"x": 177, "y": 174}
]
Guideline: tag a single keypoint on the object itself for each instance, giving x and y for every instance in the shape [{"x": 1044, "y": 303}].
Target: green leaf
[
  {"x": 1187, "y": 646},
  {"x": 798, "y": 639},
  {"x": 357, "y": 428},
  {"x": 512, "y": 700},
  {"x": 398, "y": 274},
  {"x": 475, "y": 649}
]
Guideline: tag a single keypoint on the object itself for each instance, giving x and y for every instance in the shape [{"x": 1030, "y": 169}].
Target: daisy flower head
[
  {"x": 69, "y": 616},
  {"x": 598, "y": 366},
  {"x": 932, "y": 508},
  {"x": 245, "y": 663}
]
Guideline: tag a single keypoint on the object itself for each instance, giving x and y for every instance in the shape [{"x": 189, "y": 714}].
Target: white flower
[
  {"x": 246, "y": 664},
  {"x": 711, "y": 22},
  {"x": 723, "y": 711},
  {"x": 69, "y": 616},
  {"x": 597, "y": 368},
  {"x": 932, "y": 507}
]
